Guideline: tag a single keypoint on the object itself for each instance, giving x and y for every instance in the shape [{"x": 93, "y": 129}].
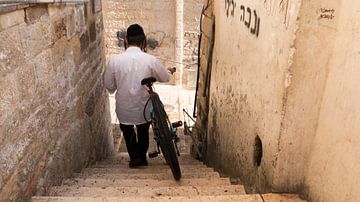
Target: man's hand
[{"x": 172, "y": 70}]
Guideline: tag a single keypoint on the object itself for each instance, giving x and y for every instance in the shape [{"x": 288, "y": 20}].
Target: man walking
[{"x": 123, "y": 74}]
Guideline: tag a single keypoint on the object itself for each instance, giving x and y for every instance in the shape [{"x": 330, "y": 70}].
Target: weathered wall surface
[
  {"x": 291, "y": 78},
  {"x": 249, "y": 77},
  {"x": 54, "y": 116},
  {"x": 314, "y": 47},
  {"x": 158, "y": 19},
  {"x": 333, "y": 172},
  {"x": 191, "y": 24}
]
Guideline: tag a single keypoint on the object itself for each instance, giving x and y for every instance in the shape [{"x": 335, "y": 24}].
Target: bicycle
[{"x": 164, "y": 131}]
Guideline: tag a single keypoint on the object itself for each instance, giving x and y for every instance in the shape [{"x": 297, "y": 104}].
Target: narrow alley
[{"x": 267, "y": 91}]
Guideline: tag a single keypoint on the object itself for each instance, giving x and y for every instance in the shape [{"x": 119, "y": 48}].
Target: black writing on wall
[
  {"x": 191, "y": 40},
  {"x": 192, "y": 35},
  {"x": 230, "y": 6},
  {"x": 247, "y": 15},
  {"x": 327, "y": 13},
  {"x": 121, "y": 37},
  {"x": 152, "y": 43}
]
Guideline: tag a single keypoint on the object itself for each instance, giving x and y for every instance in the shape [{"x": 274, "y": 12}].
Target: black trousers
[{"x": 137, "y": 149}]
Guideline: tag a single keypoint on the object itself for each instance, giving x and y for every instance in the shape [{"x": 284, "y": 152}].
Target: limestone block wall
[
  {"x": 54, "y": 116},
  {"x": 191, "y": 26},
  {"x": 158, "y": 18},
  {"x": 279, "y": 110}
]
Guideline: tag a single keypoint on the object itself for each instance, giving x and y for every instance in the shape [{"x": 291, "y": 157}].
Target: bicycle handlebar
[{"x": 148, "y": 81}]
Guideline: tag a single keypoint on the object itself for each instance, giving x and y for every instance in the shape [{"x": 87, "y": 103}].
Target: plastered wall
[
  {"x": 249, "y": 77},
  {"x": 314, "y": 45},
  {"x": 332, "y": 172},
  {"x": 54, "y": 114},
  {"x": 289, "y": 78}
]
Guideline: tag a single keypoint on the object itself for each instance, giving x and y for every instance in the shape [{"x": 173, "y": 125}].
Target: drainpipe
[
  {"x": 198, "y": 63},
  {"x": 206, "y": 92},
  {"x": 180, "y": 49}
]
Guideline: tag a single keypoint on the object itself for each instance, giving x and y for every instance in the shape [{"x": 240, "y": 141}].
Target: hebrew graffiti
[
  {"x": 230, "y": 6},
  {"x": 255, "y": 29},
  {"x": 247, "y": 15},
  {"x": 247, "y": 23},
  {"x": 242, "y": 15},
  {"x": 327, "y": 13}
]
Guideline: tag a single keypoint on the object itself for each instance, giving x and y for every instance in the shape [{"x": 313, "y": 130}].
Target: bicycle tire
[{"x": 165, "y": 140}]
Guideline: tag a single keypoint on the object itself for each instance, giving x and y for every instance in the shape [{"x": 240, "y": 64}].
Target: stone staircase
[{"x": 112, "y": 180}]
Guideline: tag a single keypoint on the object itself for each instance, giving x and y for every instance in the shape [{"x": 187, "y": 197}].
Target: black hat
[{"x": 135, "y": 30}]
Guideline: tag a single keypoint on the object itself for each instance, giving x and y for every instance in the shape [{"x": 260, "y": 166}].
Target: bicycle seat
[{"x": 148, "y": 81}]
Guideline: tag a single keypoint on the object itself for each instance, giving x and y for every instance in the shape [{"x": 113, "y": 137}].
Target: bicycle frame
[{"x": 172, "y": 126}]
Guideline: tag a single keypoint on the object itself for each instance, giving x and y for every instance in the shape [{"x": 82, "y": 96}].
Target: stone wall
[
  {"x": 54, "y": 113},
  {"x": 191, "y": 25},
  {"x": 279, "y": 110},
  {"x": 156, "y": 17}
]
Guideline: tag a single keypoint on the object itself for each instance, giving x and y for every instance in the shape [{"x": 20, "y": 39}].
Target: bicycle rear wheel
[{"x": 165, "y": 137}]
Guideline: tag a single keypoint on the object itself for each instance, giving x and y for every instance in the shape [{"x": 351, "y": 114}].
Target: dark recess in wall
[{"x": 258, "y": 151}]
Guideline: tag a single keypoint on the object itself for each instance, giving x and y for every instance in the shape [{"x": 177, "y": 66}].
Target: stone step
[
  {"x": 157, "y": 176},
  {"x": 145, "y": 170},
  {"x": 221, "y": 198},
  {"x": 125, "y": 156},
  {"x": 170, "y": 182},
  {"x": 108, "y": 164},
  {"x": 158, "y": 160},
  {"x": 150, "y": 191},
  {"x": 151, "y": 162}
]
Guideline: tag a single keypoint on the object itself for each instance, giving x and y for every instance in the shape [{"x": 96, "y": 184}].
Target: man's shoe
[
  {"x": 135, "y": 163},
  {"x": 144, "y": 163}
]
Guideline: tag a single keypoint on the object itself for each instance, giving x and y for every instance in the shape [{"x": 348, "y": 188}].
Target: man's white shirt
[{"x": 123, "y": 74}]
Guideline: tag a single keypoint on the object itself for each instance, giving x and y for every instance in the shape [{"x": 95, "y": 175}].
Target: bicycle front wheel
[{"x": 166, "y": 141}]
